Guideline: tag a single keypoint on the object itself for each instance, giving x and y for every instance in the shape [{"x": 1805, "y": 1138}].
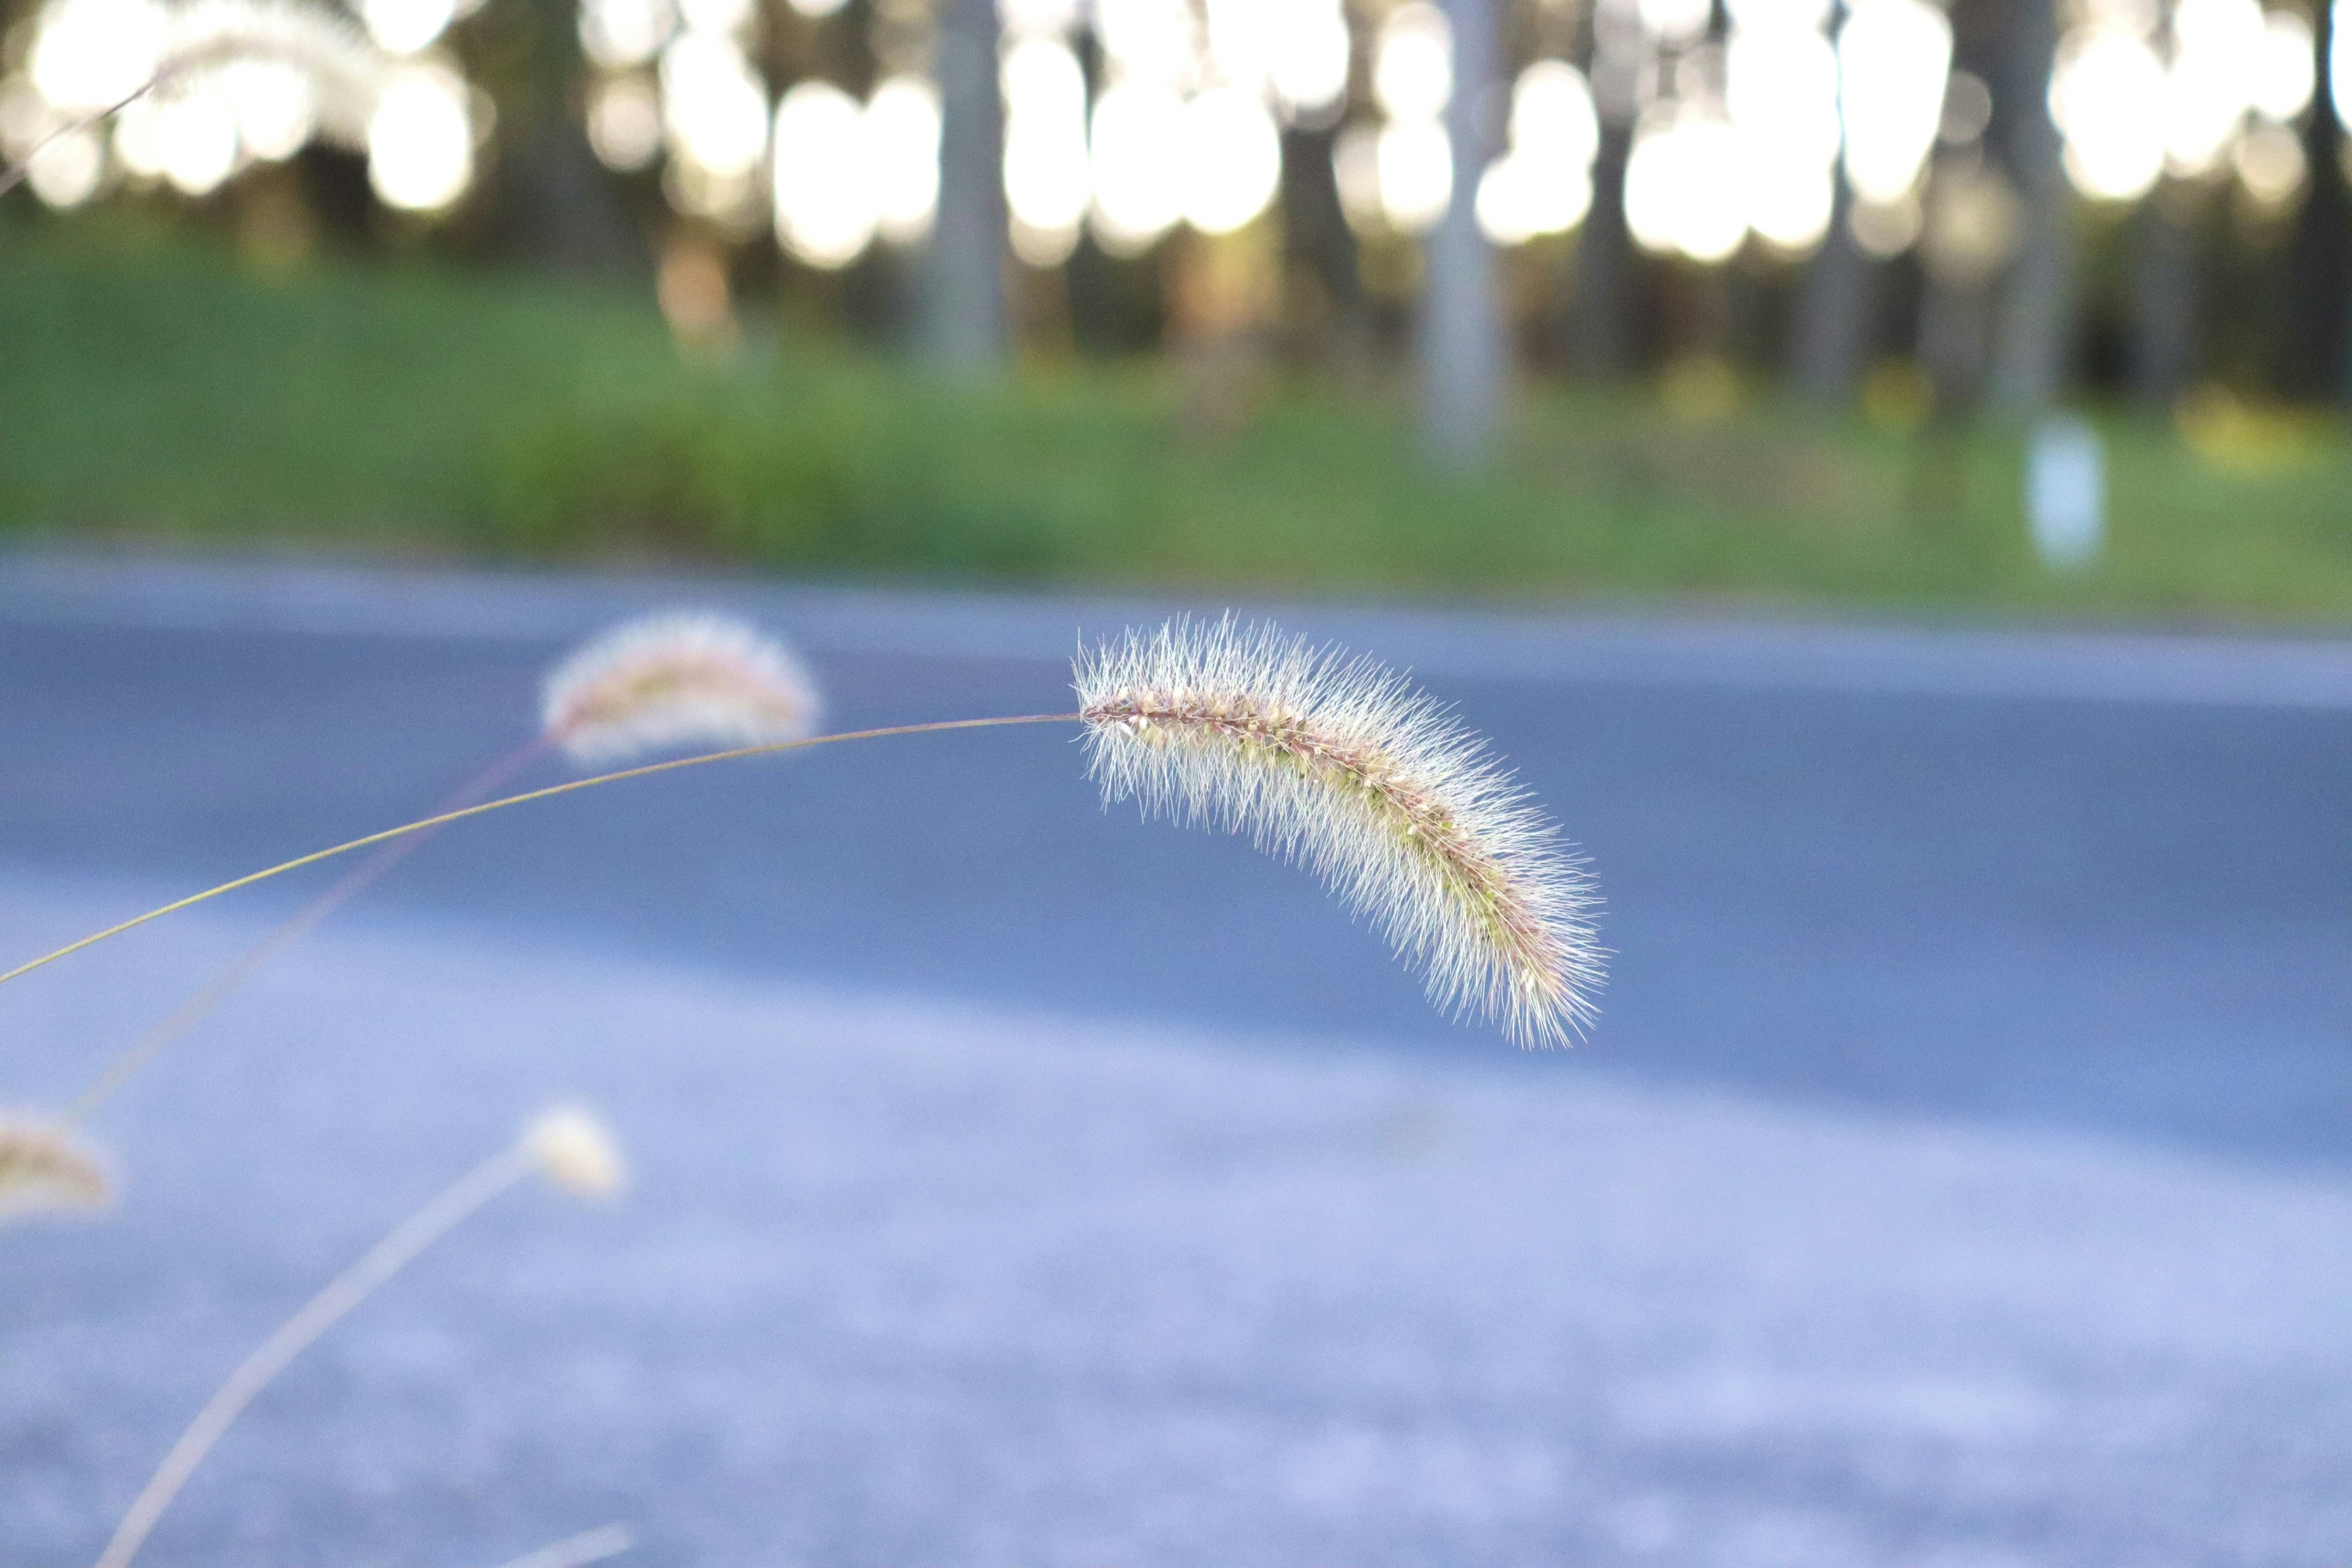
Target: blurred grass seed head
[
  {"x": 45, "y": 1168},
  {"x": 676, "y": 680}
]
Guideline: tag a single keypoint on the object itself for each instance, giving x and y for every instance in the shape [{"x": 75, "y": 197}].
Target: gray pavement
[{"x": 1959, "y": 1173}]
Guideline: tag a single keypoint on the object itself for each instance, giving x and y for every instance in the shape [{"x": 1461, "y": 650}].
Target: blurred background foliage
[{"x": 585, "y": 335}]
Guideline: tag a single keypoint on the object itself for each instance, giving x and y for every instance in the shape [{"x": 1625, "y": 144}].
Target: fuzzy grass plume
[
  {"x": 340, "y": 66},
  {"x": 1347, "y": 768},
  {"x": 672, "y": 681},
  {"x": 44, "y": 1167},
  {"x": 575, "y": 1153}
]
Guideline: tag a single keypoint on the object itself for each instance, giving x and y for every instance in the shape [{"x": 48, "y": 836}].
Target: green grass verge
[{"x": 150, "y": 388}]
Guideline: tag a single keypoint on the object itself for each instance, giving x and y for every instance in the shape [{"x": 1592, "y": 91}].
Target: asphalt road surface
[{"x": 1961, "y": 1172}]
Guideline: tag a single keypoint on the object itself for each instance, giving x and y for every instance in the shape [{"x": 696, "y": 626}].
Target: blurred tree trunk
[
  {"x": 1970, "y": 223},
  {"x": 1952, "y": 321},
  {"x": 1836, "y": 311},
  {"x": 962, "y": 325},
  {"x": 556, "y": 209},
  {"x": 1325, "y": 293},
  {"x": 1463, "y": 366},
  {"x": 1601, "y": 316},
  {"x": 558, "y": 213},
  {"x": 2032, "y": 348},
  {"x": 2163, "y": 300},
  {"x": 2315, "y": 363},
  {"x": 1601, "y": 310}
]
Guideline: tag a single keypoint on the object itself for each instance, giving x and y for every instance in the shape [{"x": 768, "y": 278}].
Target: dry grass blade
[
  {"x": 673, "y": 680},
  {"x": 1342, "y": 766},
  {"x": 246, "y": 966},
  {"x": 552, "y": 791}
]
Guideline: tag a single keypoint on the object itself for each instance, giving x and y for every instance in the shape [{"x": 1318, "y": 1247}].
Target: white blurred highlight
[
  {"x": 1233, "y": 162},
  {"x": 420, "y": 140},
  {"x": 195, "y": 135},
  {"x": 2107, "y": 94},
  {"x": 1356, "y": 170},
  {"x": 1046, "y": 184},
  {"x": 619, "y": 33},
  {"x": 902, "y": 141},
  {"x": 1892, "y": 60},
  {"x": 2286, "y": 67},
  {"x": 714, "y": 105},
  {"x": 1780, "y": 89},
  {"x": 1402, "y": 177},
  {"x": 407, "y": 26},
  {"x": 1543, "y": 183},
  {"x": 1307, "y": 57},
  {"x": 69, "y": 170},
  {"x": 1136, "y": 156},
  {"x": 729, "y": 19},
  {"x": 88, "y": 55},
  {"x": 273, "y": 105},
  {"x": 2269, "y": 162},
  {"x": 1683, "y": 188},
  {"x": 2339, "y": 61},
  {"x": 1413, "y": 73},
  {"x": 824, "y": 191},
  {"x": 1415, "y": 174},
  {"x": 1037, "y": 18},
  {"x": 1150, "y": 40},
  {"x": 1781, "y": 95},
  {"x": 2215, "y": 43},
  {"x": 1789, "y": 201},
  {"x": 624, "y": 121},
  {"x": 1674, "y": 21}
]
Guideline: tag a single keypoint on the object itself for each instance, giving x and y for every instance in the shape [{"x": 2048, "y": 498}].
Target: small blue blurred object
[{"x": 2066, "y": 493}]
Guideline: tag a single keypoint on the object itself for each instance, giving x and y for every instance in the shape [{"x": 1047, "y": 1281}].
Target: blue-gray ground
[{"x": 1960, "y": 1175}]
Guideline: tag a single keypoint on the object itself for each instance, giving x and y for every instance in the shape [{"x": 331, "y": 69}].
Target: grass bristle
[{"x": 1339, "y": 764}]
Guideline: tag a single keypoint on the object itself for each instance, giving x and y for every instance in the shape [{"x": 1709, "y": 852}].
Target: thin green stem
[{"x": 423, "y": 823}]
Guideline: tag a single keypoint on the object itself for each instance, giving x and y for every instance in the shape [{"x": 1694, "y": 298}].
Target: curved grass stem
[
  {"x": 550, "y": 791},
  {"x": 347, "y": 1291},
  {"x": 242, "y": 968},
  {"x": 14, "y": 176}
]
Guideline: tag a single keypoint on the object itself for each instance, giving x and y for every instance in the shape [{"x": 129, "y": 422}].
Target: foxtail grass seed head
[
  {"x": 1345, "y": 767},
  {"x": 341, "y": 70},
  {"x": 576, "y": 1152},
  {"x": 675, "y": 680},
  {"x": 44, "y": 1167}
]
